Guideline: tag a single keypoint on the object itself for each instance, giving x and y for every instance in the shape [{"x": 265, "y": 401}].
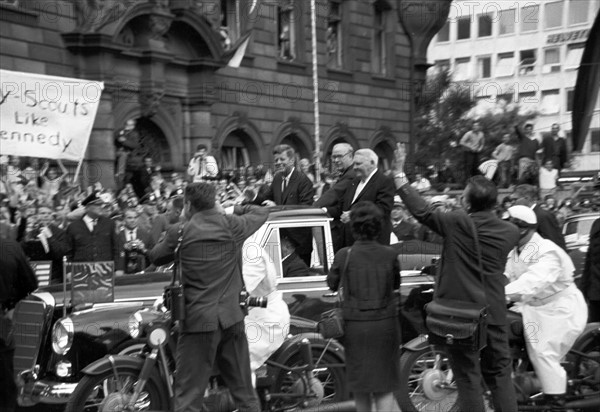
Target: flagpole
[{"x": 313, "y": 19}]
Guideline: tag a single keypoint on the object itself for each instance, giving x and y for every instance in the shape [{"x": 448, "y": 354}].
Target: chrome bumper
[{"x": 33, "y": 391}]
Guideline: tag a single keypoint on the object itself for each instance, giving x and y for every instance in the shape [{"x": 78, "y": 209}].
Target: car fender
[
  {"x": 119, "y": 361},
  {"x": 291, "y": 345},
  {"x": 417, "y": 344}
]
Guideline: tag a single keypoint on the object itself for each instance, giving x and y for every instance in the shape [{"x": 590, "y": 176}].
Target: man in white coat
[
  {"x": 541, "y": 282},
  {"x": 266, "y": 328}
]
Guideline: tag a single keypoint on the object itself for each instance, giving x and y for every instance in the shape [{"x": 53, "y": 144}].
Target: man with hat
[
  {"x": 93, "y": 238},
  {"x": 149, "y": 211},
  {"x": 541, "y": 282}
]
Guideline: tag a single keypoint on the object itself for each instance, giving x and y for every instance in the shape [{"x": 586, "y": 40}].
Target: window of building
[
  {"x": 462, "y": 69},
  {"x": 506, "y": 98},
  {"x": 464, "y": 28},
  {"x": 505, "y": 66},
  {"x": 527, "y": 98},
  {"x": 574, "y": 54},
  {"x": 507, "y": 21},
  {"x": 485, "y": 25},
  {"x": 578, "y": 11},
  {"x": 530, "y": 16},
  {"x": 334, "y": 35},
  {"x": 287, "y": 29},
  {"x": 444, "y": 33},
  {"x": 553, "y": 14},
  {"x": 527, "y": 62},
  {"x": 484, "y": 67},
  {"x": 570, "y": 94},
  {"x": 595, "y": 140},
  {"x": 442, "y": 65},
  {"x": 379, "y": 58},
  {"x": 551, "y": 60},
  {"x": 550, "y": 103},
  {"x": 230, "y": 22}
]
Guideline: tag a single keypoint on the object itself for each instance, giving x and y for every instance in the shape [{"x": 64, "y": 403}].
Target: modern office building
[{"x": 526, "y": 52}]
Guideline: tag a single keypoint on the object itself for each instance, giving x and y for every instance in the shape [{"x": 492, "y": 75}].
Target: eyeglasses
[{"x": 338, "y": 157}]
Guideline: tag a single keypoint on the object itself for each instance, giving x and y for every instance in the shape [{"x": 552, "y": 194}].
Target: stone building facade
[{"x": 164, "y": 64}]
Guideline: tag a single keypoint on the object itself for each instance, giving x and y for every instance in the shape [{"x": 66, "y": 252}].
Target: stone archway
[
  {"x": 295, "y": 135},
  {"x": 383, "y": 144},
  {"x": 238, "y": 150},
  {"x": 151, "y": 141}
]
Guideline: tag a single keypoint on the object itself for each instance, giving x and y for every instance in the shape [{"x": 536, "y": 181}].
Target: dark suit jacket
[
  {"x": 141, "y": 181},
  {"x": 332, "y": 200},
  {"x": 210, "y": 259},
  {"x": 548, "y": 226},
  {"x": 590, "y": 280},
  {"x": 141, "y": 234},
  {"x": 372, "y": 274},
  {"x": 555, "y": 152},
  {"x": 459, "y": 271},
  {"x": 299, "y": 190},
  {"x": 99, "y": 245},
  {"x": 380, "y": 190},
  {"x": 17, "y": 279},
  {"x": 58, "y": 247},
  {"x": 293, "y": 266}
]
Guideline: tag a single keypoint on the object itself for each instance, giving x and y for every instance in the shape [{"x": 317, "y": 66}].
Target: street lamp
[{"x": 421, "y": 20}]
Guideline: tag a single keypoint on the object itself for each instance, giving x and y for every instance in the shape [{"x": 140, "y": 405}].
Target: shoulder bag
[
  {"x": 456, "y": 323},
  {"x": 331, "y": 325},
  {"x": 173, "y": 297}
]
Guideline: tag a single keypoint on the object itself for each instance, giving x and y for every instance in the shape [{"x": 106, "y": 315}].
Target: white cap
[{"x": 524, "y": 213}]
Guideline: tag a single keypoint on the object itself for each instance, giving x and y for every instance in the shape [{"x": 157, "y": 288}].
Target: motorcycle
[
  {"x": 427, "y": 382},
  {"x": 306, "y": 371}
]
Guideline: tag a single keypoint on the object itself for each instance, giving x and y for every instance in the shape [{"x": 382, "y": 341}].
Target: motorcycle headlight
[
  {"x": 135, "y": 322},
  {"x": 62, "y": 336},
  {"x": 158, "y": 336}
]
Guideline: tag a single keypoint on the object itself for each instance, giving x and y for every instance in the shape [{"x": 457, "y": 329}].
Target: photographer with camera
[
  {"x": 210, "y": 260},
  {"x": 202, "y": 165},
  {"x": 133, "y": 242}
]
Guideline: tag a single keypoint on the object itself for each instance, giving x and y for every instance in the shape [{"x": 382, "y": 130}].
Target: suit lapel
[{"x": 367, "y": 187}]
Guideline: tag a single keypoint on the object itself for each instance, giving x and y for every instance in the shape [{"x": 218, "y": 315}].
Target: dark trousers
[
  {"x": 493, "y": 363},
  {"x": 471, "y": 160},
  {"x": 196, "y": 356},
  {"x": 594, "y": 311},
  {"x": 8, "y": 388}
]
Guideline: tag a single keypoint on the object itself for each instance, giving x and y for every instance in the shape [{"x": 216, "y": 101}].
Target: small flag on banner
[
  {"x": 249, "y": 12},
  {"x": 42, "y": 270}
]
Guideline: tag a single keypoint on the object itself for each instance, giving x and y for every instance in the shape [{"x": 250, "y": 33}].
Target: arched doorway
[
  {"x": 385, "y": 151},
  {"x": 151, "y": 141},
  {"x": 296, "y": 142},
  {"x": 238, "y": 150}
]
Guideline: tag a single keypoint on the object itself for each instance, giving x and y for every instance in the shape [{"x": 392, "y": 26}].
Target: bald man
[{"x": 369, "y": 184}]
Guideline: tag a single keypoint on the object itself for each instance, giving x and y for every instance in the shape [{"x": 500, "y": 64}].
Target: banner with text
[{"x": 46, "y": 116}]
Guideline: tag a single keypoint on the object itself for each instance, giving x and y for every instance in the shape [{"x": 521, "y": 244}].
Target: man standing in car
[
  {"x": 210, "y": 258},
  {"x": 16, "y": 281},
  {"x": 460, "y": 278}
]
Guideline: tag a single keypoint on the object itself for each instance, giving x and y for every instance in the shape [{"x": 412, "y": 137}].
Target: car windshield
[{"x": 579, "y": 227}]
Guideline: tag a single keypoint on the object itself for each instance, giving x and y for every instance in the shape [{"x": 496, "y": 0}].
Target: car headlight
[
  {"x": 135, "y": 322},
  {"x": 62, "y": 336}
]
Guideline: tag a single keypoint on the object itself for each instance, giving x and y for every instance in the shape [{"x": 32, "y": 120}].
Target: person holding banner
[{"x": 93, "y": 238}]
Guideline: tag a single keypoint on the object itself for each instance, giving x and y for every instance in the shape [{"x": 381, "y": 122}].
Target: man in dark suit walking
[
  {"x": 460, "y": 278},
  {"x": 291, "y": 187},
  {"x": 93, "y": 238},
  {"x": 142, "y": 177},
  {"x": 210, "y": 258},
  {"x": 330, "y": 201},
  {"x": 548, "y": 226},
  {"x": 372, "y": 185}
]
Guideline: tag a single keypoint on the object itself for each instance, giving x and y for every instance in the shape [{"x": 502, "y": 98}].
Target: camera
[{"x": 247, "y": 301}]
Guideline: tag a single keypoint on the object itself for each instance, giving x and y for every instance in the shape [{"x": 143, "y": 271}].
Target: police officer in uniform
[{"x": 17, "y": 280}]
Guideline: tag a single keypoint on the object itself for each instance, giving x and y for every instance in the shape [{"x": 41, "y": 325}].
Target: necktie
[
  {"x": 94, "y": 221},
  {"x": 131, "y": 235},
  {"x": 284, "y": 184}
]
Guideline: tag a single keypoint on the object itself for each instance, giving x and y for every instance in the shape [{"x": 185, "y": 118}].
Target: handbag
[
  {"x": 457, "y": 323},
  {"x": 174, "y": 297},
  {"x": 331, "y": 324}
]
